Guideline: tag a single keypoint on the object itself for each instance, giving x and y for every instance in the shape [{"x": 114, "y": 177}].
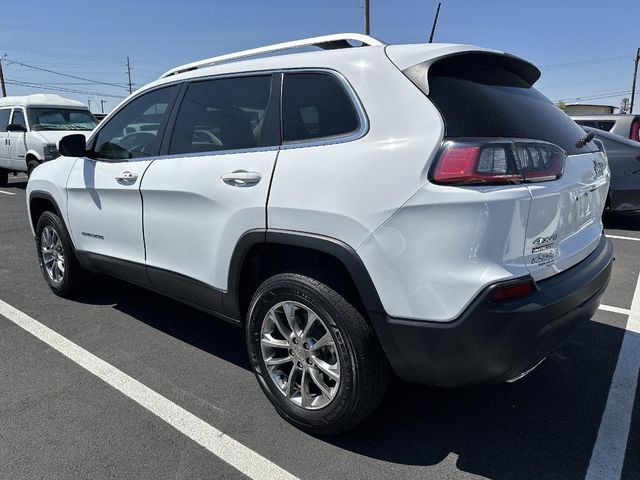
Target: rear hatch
[{"x": 487, "y": 98}]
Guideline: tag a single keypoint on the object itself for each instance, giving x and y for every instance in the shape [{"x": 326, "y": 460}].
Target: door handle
[
  {"x": 241, "y": 178},
  {"x": 127, "y": 177}
]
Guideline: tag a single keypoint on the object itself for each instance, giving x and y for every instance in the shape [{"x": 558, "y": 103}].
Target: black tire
[
  {"x": 31, "y": 165},
  {"x": 364, "y": 371},
  {"x": 4, "y": 177},
  {"x": 74, "y": 276}
]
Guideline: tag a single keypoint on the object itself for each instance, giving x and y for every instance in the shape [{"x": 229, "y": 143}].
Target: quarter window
[
  {"x": 223, "y": 114},
  {"x": 133, "y": 132},
  {"x": 4, "y": 118},
  {"x": 315, "y": 105}
]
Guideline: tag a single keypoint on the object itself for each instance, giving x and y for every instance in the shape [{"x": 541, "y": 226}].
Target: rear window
[{"x": 478, "y": 97}]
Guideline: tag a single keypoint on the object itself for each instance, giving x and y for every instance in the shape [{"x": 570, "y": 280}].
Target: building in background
[{"x": 588, "y": 109}]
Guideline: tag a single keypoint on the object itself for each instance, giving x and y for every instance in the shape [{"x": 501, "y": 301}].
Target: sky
[{"x": 585, "y": 49}]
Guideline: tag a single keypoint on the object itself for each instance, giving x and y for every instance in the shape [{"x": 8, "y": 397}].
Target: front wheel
[
  {"x": 315, "y": 356},
  {"x": 4, "y": 177},
  {"x": 31, "y": 166},
  {"x": 56, "y": 255}
]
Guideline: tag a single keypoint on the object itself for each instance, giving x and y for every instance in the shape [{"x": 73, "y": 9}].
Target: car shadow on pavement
[
  {"x": 543, "y": 426},
  {"x": 173, "y": 318},
  {"x": 17, "y": 183}
]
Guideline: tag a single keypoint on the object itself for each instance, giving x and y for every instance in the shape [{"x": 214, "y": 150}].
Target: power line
[
  {"x": 581, "y": 63},
  {"x": 45, "y": 86},
  {"x": 64, "y": 74},
  {"x": 60, "y": 83},
  {"x": 596, "y": 96}
]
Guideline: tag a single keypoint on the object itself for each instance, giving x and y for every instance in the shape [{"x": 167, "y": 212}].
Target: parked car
[
  {"x": 30, "y": 127},
  {"x": 624, "y": 162},
  {"x": 627, "y": 126},
  {"x": 420, "y": 209}
]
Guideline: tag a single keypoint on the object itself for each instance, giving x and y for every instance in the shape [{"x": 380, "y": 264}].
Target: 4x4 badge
[{"x": 543, "y": 240}]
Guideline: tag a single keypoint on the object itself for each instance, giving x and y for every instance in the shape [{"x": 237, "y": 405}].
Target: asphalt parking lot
[{"x": 573, "y": 417}]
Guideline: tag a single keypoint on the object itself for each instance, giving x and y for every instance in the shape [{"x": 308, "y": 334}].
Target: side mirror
[
  {"x": 14, "y": 127},
  {"x": 73, "y": 145}
]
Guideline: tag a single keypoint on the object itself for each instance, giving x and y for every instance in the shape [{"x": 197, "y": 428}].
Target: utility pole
[
  {"x": 435, "y": 21},
  {"x": 367, "y": 23},
  {"x": 89, "y": 103},
  {"x": 129, "y": 73},
  {"x": 633, "y": 85},
  {"x": 102, "y": 102},
  {"x": 4, "y": 87}
]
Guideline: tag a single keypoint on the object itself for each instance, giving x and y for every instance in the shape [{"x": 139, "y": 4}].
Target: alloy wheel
[
  {"x": 300, "y": 354},
  {"x": 52, "y": 254}
]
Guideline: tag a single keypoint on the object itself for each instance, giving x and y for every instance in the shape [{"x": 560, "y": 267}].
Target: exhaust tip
[{"x": 526, "y": 372}]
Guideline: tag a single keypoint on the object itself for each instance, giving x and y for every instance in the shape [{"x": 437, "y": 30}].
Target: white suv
[
  {"x": 417, "y": 209},
  {"x": 32, "y": 125}
]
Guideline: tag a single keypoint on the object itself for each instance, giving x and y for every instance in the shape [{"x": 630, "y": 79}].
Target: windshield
[{"x": 54, "y": 118}]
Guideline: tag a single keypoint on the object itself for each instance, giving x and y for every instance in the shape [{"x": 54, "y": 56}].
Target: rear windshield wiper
[{"x": 586, "y": 139}]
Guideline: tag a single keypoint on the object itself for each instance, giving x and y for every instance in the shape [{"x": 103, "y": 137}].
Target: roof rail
[{"x": 326, "y": 42}]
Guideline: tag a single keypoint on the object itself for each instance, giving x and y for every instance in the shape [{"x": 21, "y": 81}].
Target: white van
[{"x": 30, "y": 127}]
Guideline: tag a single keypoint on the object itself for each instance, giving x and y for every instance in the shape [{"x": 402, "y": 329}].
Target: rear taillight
[
  {"x": 490, "y": 162},
  {"x": 513, "y": 290},
  {"x": 635, "y": 130}
]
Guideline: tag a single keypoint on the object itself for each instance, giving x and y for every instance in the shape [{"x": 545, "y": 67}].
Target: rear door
[
  {"x": 565, "y": 218},
  {"x": 211, "y": 185}
]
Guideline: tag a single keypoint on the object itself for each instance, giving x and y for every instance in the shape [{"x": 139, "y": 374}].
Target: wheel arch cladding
[
  {"x": 40, "y": 202},
  {"x": 261, "y": 254}
]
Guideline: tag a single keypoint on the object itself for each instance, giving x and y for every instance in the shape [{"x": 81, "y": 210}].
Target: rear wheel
[
  {"x": 314, "y": 355},
  {"x": 58, "y": 261},
  {"x": 4, "y": 178}
]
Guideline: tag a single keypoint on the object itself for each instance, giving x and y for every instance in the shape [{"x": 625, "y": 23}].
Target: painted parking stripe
[
  {"x": 245, "y": 460},
  {"x": 608, "y": 453},
  {"x": 7, "y": 193},
  {"x": 617, "y": 237},
  {"x": 608, "y": 308}
]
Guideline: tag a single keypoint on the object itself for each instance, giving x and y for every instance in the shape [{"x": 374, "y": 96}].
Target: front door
[
  {"x": 18, "y": 142},
  {"x": 104, "y": 202},
  {"x": 5, "y": 157}
]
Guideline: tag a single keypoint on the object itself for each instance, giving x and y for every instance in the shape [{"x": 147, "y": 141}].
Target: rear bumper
[{"x": 496, "y": 341}]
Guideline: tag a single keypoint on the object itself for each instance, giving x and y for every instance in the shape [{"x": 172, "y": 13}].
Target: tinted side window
[
  {"x": 315, "y": 105},
  {"x": 223, "y": 114},
  {"x": 4, "y": 119},
  {"x": 133, "y": 131},
  {"x": 18, "y": 118}
]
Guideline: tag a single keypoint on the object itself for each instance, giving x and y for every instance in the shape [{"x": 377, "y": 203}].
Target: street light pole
[
  {"x": 4, "y": 87},
  {"x": 635, "y": 76},
  {"x": 367, "y": 23}
]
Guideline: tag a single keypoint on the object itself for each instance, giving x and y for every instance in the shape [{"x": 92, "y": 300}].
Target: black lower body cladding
[{"x": 496, "y": 341}]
